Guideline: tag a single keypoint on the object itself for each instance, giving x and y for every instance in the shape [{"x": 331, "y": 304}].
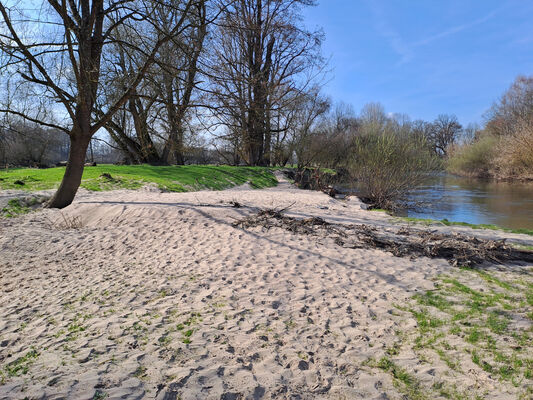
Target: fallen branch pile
[{"x": 458, "y": 249}]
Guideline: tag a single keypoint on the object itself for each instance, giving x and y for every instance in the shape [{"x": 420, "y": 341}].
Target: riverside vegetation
[{"x": 504, "y": 148}]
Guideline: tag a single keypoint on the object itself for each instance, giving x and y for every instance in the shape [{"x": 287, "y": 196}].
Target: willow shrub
[
  {"x": 515, "y": 155},
  {"x": 388, "y": 165},
  {"x": 475, "y": 159}
]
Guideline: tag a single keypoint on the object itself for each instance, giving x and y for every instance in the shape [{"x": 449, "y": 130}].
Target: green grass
[
  {"x": 403, "y": 381},
  {"x": 482, "y": 318},
  {"x": 470, "y": 317},
  {"x": 20, "y": 366},
  {"x": 16, "y": 207},
  {"x": 427, "y": 221},
  {"x": 522, "y": 246},
  {"x": 169, "y": 178}
]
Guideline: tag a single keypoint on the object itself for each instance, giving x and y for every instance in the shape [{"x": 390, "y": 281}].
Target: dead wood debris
[{"x": 458, "y": 249}]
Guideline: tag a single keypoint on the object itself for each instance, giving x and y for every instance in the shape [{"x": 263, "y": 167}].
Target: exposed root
[{"x": 458, "y": 249}]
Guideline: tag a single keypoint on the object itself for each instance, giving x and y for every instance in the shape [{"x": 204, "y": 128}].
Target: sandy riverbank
[{"x": 157, "y": 295}]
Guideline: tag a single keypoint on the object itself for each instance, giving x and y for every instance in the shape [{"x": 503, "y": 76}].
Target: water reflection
[{"x": 475, "y": 201}]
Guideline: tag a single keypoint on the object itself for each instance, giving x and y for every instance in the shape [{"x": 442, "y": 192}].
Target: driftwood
[{"x": 456, "y": 248}]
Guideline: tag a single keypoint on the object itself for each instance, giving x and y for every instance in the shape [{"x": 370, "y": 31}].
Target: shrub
[
  {"x": 388, "y": 164},
  {"x": 504, "y": 157},
  {"x": 515, "y": 154},
  {"x": 474, "y": 159}
]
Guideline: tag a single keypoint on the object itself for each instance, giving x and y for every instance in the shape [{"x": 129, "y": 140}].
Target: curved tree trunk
[{"x": 72, "y": 179}]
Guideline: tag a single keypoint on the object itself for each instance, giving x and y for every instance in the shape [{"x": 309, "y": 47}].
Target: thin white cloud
[
  {"x": 456, "y": 29},
  {"x": 406, "y": 51},
  {"x": 385, "y": 29}
]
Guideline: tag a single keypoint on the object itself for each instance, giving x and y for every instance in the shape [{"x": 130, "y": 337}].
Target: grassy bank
[
  {"x": 169, "y": 178},
  {"x": 16, "y": 207}
]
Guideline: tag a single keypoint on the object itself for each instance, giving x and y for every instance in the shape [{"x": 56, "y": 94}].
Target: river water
[{"x": 458, "y": 199}]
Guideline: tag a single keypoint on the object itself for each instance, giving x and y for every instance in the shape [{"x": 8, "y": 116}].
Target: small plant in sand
[
  {"x": 187, "y": 327},
  {"x": 140, "y": 372},
  {"x": 99, "y": 395},
  {"x": 472, "y": 320},
  {"x": 187, "y": 336},
  {"x": 165, "y": 340},
  {"x": 20, "y": 366},
  {"x": 140, "y": 332}
]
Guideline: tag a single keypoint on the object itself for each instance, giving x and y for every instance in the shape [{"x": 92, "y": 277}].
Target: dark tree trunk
[
  {"x": 260, "y": 63},
  {"x": 179, "y": 157},
  {"x": 140, "y": 122},
  {"x": 72, "y": 179},
  {"x": 267, "y": 146}
]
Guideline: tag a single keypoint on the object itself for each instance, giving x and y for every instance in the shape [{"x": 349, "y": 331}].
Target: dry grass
[{"x": 66, "y": 223}]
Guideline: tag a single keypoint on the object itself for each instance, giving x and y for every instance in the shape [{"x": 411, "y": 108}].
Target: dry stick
[{"x": 458, "y": 249}]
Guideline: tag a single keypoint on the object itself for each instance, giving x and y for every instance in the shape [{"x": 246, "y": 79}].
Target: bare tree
[
  {"x": 513, "y": 110},
  {"x": 132, "y": 126},
  {"x": 303, "y": 128},
  {"x": 373, "y": 115},
  {"x": 179, "y": 79},
  {"x": 261, "y": 58},
  {"x": 58, "y": 50},
  {"x": 444, "y": 132},
  {"x": 470, "y": 133},
  {"x": 151, "y": 126}
]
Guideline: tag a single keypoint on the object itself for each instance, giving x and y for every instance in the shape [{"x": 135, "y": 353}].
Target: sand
[{"x": 157, "y": 295}]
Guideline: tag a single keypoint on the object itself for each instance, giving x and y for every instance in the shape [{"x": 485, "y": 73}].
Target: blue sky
[{"x": 425, "y": 57}]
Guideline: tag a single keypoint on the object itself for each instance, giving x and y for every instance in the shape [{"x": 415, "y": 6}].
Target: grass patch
[
  {"x": 403, "y": 381},
  {"x": 169, "y": 178},
  {"x": 21, "y": 206},
  {"x": 14, "y": 208},
  {"x": 427, "y": 221},
  {"x": 430, "y": 298},
  {"x": 492, "y": 279},
  {"x": 521, "y": 246},
  {"x": 20, "y": 366},
  {"x": 471, "y": 317},
  {"x": 481, "y": 318}
]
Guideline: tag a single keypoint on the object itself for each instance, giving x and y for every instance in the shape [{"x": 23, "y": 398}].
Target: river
[{"x": 476, "y": 201}]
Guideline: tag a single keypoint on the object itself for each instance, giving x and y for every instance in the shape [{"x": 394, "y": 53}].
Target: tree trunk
[
  {"x": 179, "y": 157},
  {"x": 267, "y": 145},
  {"x": 140, "y": 123},
  {"x": 73, "y": 172}
]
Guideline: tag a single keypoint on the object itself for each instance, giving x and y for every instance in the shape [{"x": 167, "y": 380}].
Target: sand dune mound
[{"x": 158, "y": 295}]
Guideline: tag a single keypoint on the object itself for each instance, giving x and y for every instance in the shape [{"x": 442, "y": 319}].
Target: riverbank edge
[
  {"x": 484, "y": 175},
  {"x": 429, "y": 221}
]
